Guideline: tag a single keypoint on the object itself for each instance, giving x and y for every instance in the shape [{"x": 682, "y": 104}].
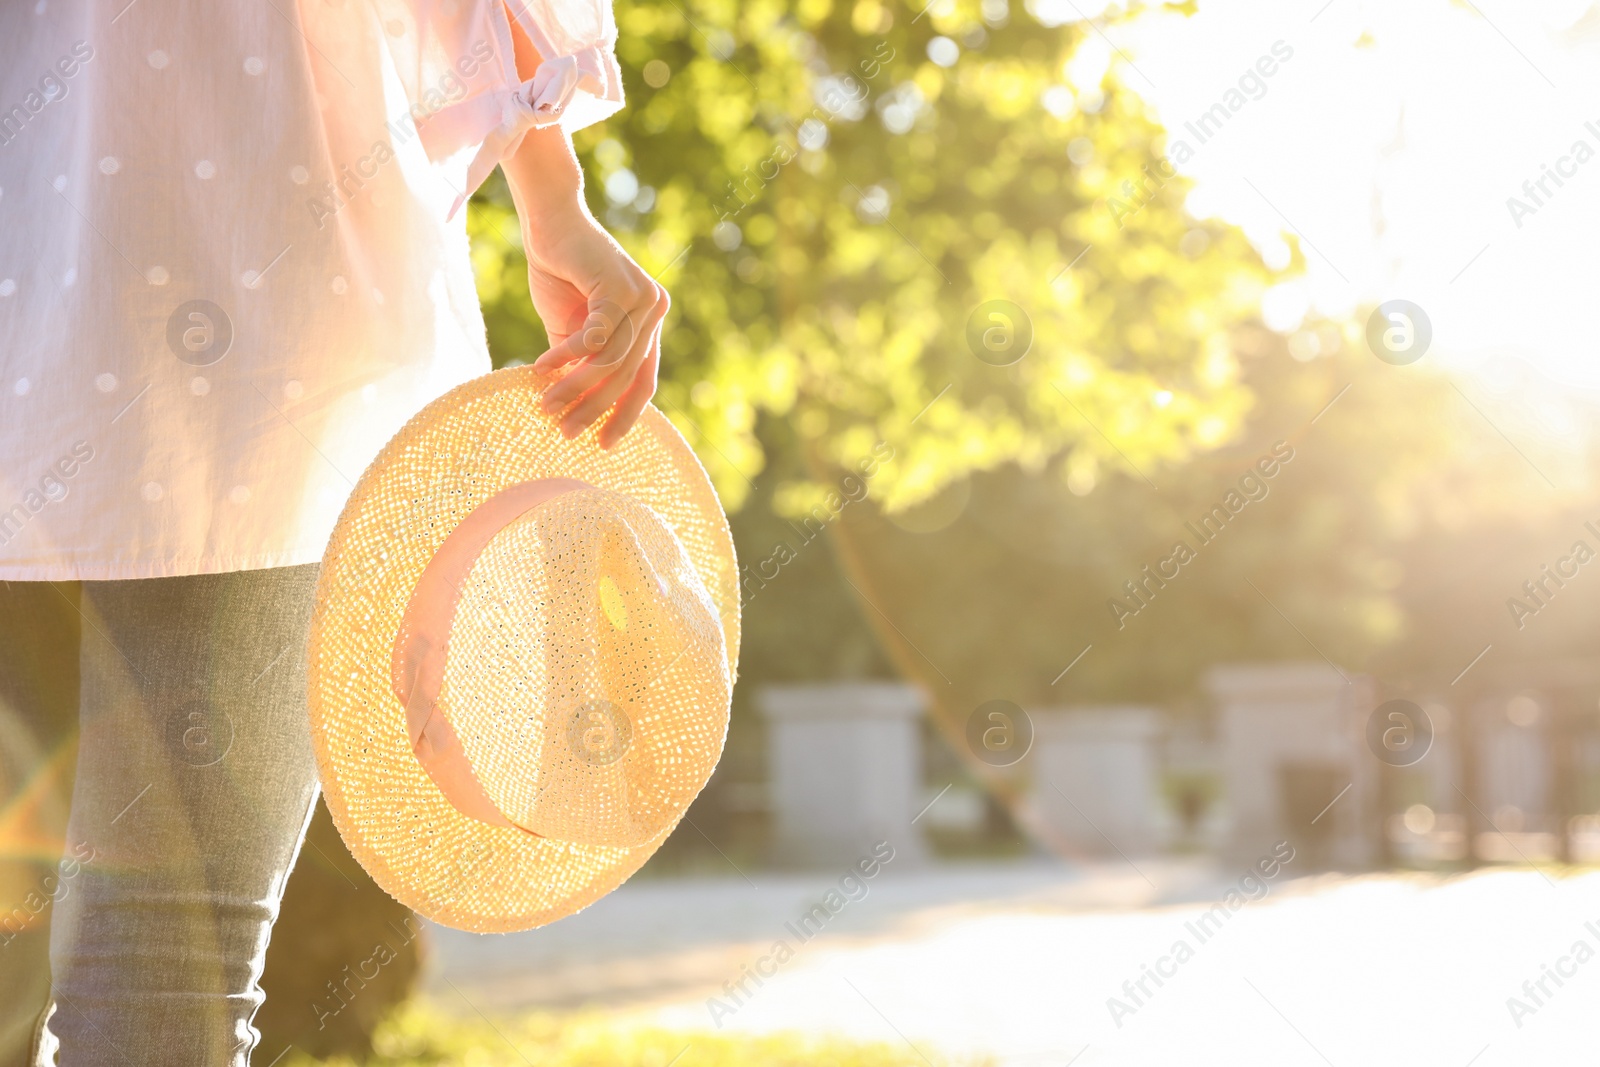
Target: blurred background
[{"x": 1158, "y": 443}]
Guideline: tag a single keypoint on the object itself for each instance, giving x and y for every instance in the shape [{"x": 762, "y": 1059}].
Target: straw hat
[{"x": 521, "y": 657}]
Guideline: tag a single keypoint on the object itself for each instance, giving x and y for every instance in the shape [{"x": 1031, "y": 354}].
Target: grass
[{"x": 419, "y": 1036}]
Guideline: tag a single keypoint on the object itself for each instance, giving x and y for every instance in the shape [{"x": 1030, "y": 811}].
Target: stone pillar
[
  {"x": 1096, "y": 778},
  {"x": 1293, "y": 741},
  {"x": 845, "y": 771}
]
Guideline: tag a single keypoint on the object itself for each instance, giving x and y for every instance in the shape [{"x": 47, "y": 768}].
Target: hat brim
[{"x": 457, "y": 452}]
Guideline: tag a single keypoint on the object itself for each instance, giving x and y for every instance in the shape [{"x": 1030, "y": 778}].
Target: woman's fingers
[
  {"x": 609, "y": 334},
  {"x": 569, "y": 349},
  {"x": 611, "y": 348},
  {"x": 631, "y": 404},
  {"x": 642, "y": 386},
  {"x": 599, "y": 399},
  {"x": 593, "y": 405},
  {"x": 563, "y": 310},
  {"x": 600, "y": 349},
  {"x": 579, "y": 382}
]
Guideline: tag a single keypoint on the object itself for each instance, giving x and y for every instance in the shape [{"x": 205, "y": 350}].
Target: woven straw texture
[{"x": 587, "y": 677}]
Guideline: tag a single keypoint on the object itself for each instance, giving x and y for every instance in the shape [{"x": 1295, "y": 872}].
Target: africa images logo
[
  {"x": 1255, "y": 884},
  {"x": 1253, "y": 487},
  {"x": 53, "y": 88},
  {"x": 51, "y": 489},
  {"x": 853, "y": 887}
]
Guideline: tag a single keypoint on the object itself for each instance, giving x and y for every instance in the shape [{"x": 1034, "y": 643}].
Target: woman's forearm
[
  {"x": 601, "y": 310},
  {"x": 545, "y": 179}
]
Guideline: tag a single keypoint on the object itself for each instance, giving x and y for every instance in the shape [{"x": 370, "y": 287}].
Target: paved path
[{"x": 1019, "y": 963}]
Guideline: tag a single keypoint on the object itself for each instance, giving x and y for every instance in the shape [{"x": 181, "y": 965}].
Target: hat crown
[{"x": 560, "y": 697}]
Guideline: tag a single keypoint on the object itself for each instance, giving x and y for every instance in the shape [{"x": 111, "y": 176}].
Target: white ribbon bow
[{"x": 540, "y": 101}]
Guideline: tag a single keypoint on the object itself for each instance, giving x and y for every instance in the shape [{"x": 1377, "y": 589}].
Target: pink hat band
[{"x": 422, "y": 645}]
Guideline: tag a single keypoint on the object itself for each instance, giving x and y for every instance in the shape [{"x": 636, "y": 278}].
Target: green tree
[
  {"x": 834, "y": 191},
  {"x": 830, "y": 207},
  {"x": 835, "y": 195}
]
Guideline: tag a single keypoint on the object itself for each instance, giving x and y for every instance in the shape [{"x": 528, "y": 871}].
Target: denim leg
[{"x": 195, "y": 783}]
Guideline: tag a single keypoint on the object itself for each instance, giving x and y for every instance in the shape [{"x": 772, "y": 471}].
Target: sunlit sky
[{"x": 1391, "y": 141}]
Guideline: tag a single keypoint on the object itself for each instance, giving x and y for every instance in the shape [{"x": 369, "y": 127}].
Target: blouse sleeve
[{"x": 459, "y": 70}]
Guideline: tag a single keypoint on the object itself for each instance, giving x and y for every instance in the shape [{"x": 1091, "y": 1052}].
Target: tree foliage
[
  {"x": 836, "y": 192},
  {"x": 830, "y": 206},
  {"x": 1389, "y": 543}
]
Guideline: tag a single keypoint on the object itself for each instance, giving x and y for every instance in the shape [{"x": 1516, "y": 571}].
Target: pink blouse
[{"x": 233, "y": 259}]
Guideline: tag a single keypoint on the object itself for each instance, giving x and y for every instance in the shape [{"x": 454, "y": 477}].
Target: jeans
[{"x": 194, "y": 783}]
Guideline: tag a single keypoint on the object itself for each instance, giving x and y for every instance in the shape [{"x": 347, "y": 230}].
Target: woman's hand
[
  {"x": 602, "y": 311},
  {"x": 603, "y": 314}
]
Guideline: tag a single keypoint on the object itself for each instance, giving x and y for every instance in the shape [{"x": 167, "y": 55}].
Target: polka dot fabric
[
  {"x": 259, "y": 190},
  {"x": 590, "y": 665}
]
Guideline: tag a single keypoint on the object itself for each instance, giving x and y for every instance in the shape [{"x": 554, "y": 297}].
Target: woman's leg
[{"x": 195, "y": 782}]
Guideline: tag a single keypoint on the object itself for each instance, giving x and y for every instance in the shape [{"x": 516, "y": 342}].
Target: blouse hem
[{"x": 154, "y": 568}]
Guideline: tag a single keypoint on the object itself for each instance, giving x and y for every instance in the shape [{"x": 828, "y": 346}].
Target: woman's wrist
[{"x": 545, "y": 179}]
